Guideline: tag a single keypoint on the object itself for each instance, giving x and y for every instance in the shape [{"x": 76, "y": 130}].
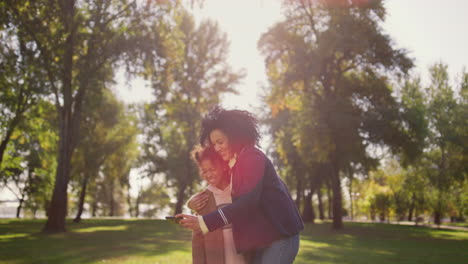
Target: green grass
[
  {"x": 382, "y": 243},
  {"x": 156, "y": 241},
  {"x": 462, "y": 224}
]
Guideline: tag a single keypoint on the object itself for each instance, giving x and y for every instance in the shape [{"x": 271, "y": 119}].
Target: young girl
[{"x": 215, "y": 247}]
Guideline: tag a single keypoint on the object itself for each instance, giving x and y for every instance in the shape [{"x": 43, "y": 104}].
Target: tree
[
  {"x": 116, "y": 169},
  {"x": 296, "y": 166},
  {"x": 291, "y": 165},
  {"x": 186, "y": 86},
  {"x": 29, "y": 163},
  {"x": 22, "y": 80},
  {"x": 382, "y": 203},
  {"x": 431, "y": 178},
  {"x": 106, "y": 131},
  {"x": 75, "y": 42},
  {"x": 445, "y": 153},
  {"x": 155, "y": 197},
  {"x": 335, "y": 62}
]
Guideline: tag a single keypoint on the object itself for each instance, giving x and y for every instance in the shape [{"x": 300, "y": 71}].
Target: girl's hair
[
  {"x": 241, "y": 127},
  {"x": 200, "y": 154}
]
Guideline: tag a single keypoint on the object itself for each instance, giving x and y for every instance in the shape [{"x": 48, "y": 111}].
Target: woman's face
[
  {"x": 211, "y": 173},
  {"x": 220, "y": 142}
]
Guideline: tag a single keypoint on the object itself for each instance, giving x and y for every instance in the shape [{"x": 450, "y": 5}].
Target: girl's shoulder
[{"x": 208, "y": 190}]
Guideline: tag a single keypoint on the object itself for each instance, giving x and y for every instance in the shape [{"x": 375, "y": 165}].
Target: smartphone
[{"x": 174, "y": 219}]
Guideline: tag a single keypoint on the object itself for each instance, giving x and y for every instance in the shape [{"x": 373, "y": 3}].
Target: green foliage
[
  {"x": 434, "y": 177},
  {"x": 78, "y": 44},
  {"x": 156, "y": 197},
  {"x": 116, "y": 170},
  {"x": 186, "y": 85},
  {"x": 106, "y": 152},
  {"x": 445, "y": 151},
  {"x": 22, "y": 81},
  {"x": 30, "y": 159},
  {"x": 414, "y": 111},
  {"x": 42, "y": 155},
  {"x": 332, "y": 66}
]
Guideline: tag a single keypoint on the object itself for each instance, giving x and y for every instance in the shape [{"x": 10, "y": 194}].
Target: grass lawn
[
  {"x": 156, "y": 241},
  {"x": 463, "y": 224}
]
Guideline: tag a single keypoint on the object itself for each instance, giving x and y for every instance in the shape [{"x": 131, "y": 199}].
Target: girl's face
[
  {"x": 220, "y": 142},
  {"x": 211, "y": 173}
]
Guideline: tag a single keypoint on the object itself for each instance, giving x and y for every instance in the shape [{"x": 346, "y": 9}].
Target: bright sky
[{"x": 431, "y": 30}]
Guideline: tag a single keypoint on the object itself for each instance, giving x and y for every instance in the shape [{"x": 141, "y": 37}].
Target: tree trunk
[
  {"x": 7, "y": 137},
  {"x": 410, "y": 213},
  {"x": 337, "y": 198},
  {"x": 373, "y": 213},
  {"x": 23, "y": 193},
  {"x": 137, "y": 205},
  {"x": 382, "y": 216},
  {"x": 441, "y": 175},
  {"x": 58, "y": 205},
  {"x": 299, "y": 192},
  {"x": 308, "y": 214},
  {"x": 112, "y": 200},
  {"x": 129, "y": 201},
  {"x": 82, "y": 197},
  {"x": 411, "y": 209},
  {"x": 69, "y": 125},
  {"x": 18, "y": 209},
  {"x": 329, "y": 198},
  {"x": 350, "y": 191},
  {"x": 437, "y": 216},
  {"x": 94, "y": 207},
  {"x": 180, "y": 199},
  {"x": 93, "y": 193},
  {"x": 320, "y": 204}
]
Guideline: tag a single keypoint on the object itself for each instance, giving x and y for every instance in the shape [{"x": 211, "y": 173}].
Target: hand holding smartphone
[{"x": 174, "y": 219}]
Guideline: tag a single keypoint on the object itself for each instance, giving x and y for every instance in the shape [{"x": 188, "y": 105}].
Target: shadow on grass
[{"x": 90, "y": 241}]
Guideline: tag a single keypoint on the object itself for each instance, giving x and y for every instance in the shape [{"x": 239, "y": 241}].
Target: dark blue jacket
[{"x": 262, "y": 210}]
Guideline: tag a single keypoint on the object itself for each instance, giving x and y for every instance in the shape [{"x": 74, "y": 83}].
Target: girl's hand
[
  {"x": 198, "y": 201},
  {"x": 189, "y": 222}
]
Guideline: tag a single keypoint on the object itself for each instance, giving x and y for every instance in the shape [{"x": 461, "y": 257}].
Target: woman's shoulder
[
  {"x": 249, "y": 150},
  {"x": 250, "y": 154}
]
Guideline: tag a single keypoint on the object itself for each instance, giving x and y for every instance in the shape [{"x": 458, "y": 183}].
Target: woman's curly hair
[{"x": 241, "y": 127}]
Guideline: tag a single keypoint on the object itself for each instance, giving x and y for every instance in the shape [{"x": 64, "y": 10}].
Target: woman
[
  {"x": 264, "y": 217},
  {"x": 215, "y": 247}
]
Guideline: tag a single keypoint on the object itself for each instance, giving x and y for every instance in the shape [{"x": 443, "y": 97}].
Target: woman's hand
[
  {"x": 189, "y": 222},
  {"x": 198, "y": 201}
]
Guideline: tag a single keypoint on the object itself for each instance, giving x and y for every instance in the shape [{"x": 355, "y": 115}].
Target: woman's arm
[{"x": 247, "y": 188}]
